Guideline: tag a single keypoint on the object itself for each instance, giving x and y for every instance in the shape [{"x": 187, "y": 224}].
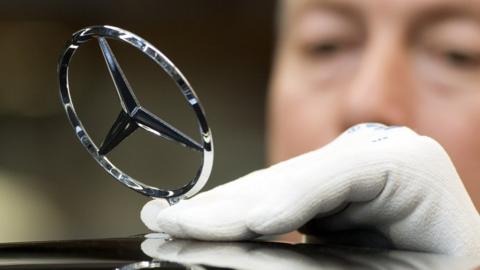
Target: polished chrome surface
[{"x": 133, "y": 115}]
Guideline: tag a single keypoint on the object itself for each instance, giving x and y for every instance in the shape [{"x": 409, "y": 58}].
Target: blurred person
[{"x": 402, "y": 78}]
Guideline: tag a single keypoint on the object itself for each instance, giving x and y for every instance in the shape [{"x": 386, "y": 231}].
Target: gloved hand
[{"x": 387, "y": 178}]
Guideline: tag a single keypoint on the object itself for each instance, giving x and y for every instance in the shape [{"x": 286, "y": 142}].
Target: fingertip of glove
[{"x": 150, "y": 212}]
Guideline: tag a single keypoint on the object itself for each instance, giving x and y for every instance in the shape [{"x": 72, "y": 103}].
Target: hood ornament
[{"x": 133, "y": 115}]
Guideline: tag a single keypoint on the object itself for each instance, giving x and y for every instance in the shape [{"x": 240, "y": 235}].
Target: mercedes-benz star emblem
[{"x": 133, "y": 115}]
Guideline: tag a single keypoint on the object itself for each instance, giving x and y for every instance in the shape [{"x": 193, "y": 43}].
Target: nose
[{"x": 381, "y": 89}]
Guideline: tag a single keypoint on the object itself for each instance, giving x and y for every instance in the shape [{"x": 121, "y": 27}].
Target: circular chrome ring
[{"x": 110, "y": 32}]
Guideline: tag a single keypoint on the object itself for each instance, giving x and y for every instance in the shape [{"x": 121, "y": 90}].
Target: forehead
[{"x": 404, "y": 9}]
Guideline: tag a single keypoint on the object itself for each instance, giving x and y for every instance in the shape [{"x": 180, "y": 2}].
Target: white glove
[{"x": 388, "y": 178}]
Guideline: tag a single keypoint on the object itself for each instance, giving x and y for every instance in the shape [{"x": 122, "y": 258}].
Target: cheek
[
  {"x": 305, "y": 99},
  {"x": 455, "y": 123},
  {"x": 301, "y": 118},
  {"x": 458, "y": 132}
]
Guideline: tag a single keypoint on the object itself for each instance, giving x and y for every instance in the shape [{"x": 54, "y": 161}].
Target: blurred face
[{"x": 400, "y": 62}]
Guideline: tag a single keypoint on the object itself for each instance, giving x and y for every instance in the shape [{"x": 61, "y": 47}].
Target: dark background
[{"x": 50, "y": 187}]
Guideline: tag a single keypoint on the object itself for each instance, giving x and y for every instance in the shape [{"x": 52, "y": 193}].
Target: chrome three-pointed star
[{"x": 133, "y": 115}]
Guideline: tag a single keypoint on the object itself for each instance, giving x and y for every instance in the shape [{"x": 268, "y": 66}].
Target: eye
[
  {"x": 324, "y": 49},
  {"x": 462, "y": 58}
]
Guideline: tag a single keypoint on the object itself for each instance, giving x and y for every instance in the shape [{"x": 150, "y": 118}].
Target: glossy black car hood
[{"x": 142, "y": 252}]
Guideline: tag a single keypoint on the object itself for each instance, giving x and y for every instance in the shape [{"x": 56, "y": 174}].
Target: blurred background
[{"x": 50, "y": 187}]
